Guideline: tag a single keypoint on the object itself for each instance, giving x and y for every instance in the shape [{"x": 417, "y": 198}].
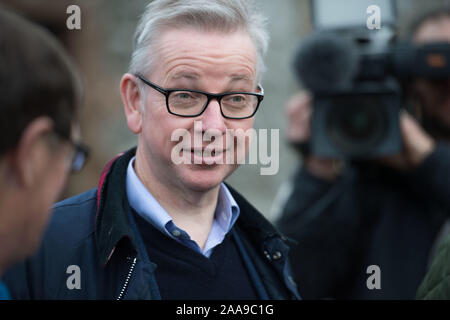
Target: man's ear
[
  {"x": 131, "y": 98},
  {"x": 31, "y": 153}
]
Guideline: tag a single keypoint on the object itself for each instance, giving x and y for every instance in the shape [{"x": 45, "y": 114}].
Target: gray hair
[{"x": 217, "y": 15}]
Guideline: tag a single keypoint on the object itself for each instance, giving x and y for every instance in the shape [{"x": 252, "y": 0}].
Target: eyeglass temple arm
[
  {"x": 154, "y": 86},
  {"x": 261, "y": 88}
]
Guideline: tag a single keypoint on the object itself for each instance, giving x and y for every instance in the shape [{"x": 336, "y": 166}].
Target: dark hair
[
  {"x": 36, "y": 79},
  {"x": 437, "y": 13}
]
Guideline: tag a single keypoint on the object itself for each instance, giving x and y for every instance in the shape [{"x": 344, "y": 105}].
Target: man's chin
[{"x": 203, "y": 178}]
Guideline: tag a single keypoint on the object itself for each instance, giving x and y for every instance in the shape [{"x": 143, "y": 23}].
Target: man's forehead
[
  {"x": 189, "y": 54},
  {"x": 190, "y": 39}
]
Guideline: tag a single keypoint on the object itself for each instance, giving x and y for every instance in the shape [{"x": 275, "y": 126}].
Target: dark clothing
[
  {"x": 4, "y": 292},
  {"x": 186, "y": 274},
  {"x": 96, "y": 232},
  {"x": 436, "y": 285},
  {"x": 369, "y": 216}
]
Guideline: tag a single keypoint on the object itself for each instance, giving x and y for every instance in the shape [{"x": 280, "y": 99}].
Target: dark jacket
[
  {"x": 95, "y": 231},
  {"x": 436, "y": 285},
  {"x": 369, "y": 216}
]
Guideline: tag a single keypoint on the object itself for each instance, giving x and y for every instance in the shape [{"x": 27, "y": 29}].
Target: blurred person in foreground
[
  {"x": 156, "y": 228},
  {"x": 39, "y": 100},
  {"x": 388, "y": 213}
]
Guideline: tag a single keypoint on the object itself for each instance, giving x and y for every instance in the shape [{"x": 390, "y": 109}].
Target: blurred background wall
[{"x": 102, "y": 50}]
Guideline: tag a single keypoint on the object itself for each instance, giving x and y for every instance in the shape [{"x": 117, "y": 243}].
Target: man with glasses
[
  {"x": 156, "y": 229},
  {"x": 39, "y": 99}
]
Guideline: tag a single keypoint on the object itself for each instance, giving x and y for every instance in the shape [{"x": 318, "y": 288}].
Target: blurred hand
[
  {"x": 298, "y": 112},
  {"x": 417, "y": 145}
]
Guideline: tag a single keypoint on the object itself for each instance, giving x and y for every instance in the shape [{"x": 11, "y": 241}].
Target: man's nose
[{"x": 212, "y": 118}]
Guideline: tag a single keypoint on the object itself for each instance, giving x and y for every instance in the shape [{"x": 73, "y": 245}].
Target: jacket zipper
[{"x": 127, "y": 280}]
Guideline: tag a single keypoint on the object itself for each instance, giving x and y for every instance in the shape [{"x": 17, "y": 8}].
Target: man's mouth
[
  {"x": 206, "y": 152},
  {"x": 206, "y": 156}
]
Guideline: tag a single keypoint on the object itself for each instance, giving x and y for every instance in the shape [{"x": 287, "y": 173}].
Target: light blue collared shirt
[{"x": 143, "y": 202}]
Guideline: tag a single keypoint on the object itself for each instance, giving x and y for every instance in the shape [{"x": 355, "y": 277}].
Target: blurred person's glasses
[
  {"x": 192, "y": 103},
  {"x": 79, "y": 154}
]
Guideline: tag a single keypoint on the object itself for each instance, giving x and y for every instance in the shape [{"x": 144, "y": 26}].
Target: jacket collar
[
  {"x": 111, "y": 221},
  {"x": 258, "y": 228}
]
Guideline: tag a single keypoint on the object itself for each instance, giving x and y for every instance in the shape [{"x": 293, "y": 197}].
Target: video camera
[{"x": 356, "y": 75}]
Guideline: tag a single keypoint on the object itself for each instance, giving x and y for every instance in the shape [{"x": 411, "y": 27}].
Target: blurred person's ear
[
  {"x": 31, "y": 153},
  {"x": 131, "y": 98}
]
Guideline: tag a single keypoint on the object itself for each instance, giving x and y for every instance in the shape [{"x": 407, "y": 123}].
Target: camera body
[
  {"x": 362, "y": 122},
  {"x": 357, "y": 96}
]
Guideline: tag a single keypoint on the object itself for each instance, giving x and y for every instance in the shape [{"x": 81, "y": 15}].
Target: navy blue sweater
[{"x": 183, "y": 273}]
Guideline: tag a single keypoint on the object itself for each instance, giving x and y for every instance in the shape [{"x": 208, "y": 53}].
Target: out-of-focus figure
[
  {"x": 40, "y": 95},
  {"x": 368, "y": 229}
]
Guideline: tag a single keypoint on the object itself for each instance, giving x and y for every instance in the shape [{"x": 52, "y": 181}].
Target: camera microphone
[{"x": 325, "y": 61}]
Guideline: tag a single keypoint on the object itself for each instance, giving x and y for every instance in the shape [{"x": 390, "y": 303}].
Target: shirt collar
[
  {"x": 227, "y": 210},
  {"x": 143, "y": 202}
]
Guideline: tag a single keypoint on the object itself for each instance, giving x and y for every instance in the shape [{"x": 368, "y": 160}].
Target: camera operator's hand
[
  {"x": 298, "y": 112},
  {"x": 417, "y": 145}
]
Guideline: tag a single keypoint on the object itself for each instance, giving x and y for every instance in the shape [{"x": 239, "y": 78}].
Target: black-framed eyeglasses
[{"x": 192, "y": 103}]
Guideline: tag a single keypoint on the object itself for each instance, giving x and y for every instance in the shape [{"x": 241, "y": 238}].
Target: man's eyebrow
[
  {"x": 190, "y": 76},
  {"x": 237, "y": 77}
]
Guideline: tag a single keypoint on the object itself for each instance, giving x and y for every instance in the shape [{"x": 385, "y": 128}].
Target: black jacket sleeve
[
  {"x": 432, "y": 178},
  {"x": 333, "y": 222},
  {"x": 323, "y": 218}
]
